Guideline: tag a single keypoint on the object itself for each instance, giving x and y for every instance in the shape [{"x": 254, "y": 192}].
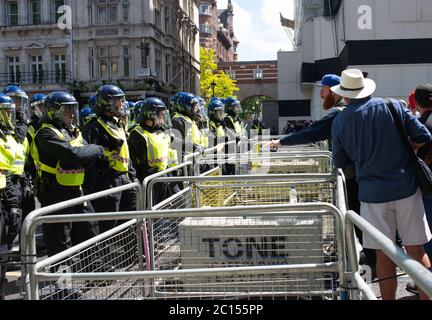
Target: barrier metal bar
[
  {"x": 317, "y": 178},
  {"x": 351, "y": 256},
  {"x": 205, "y": 174},
  {"x": 146, "y": 181},
  {"x": 421, "y": 276},
  {"x": 363, "y": 286},
  {"x": 278, "y": 156},
  {"x": 275, "y": 210},
  {"x": 184, "y": 273},
  {"x": 28, "y": 240},
  {"x": 83, "y": 245}
]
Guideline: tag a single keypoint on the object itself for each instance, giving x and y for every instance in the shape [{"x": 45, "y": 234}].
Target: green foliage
[
  {"x": 224, "y": 85},
  {"x": 254, "y": 105}
]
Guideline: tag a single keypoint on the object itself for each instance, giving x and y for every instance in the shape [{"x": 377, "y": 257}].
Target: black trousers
[
  {"x": 61, "y": 236},
  {"x": 120, "y": 201}
]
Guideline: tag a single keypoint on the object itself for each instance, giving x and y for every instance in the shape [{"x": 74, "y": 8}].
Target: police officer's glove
[
  {"x": 27, "y": 191},
  {"x": 13, "y": 218},
  {"x": 103, "y": 166},
  {"x": 199, "y": 149},
  {"x": 75, "y": 132}
]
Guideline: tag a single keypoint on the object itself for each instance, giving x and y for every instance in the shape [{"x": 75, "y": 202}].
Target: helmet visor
[
  {"x": 167, "y": 119},
  {"x": 36, "y": 109},
  {"x": 218, "y": 114},
  {"x": 68, "y": 115},
  {"x": 20, "y": 104},
  {"x": 118, "y": 106},
  {"x": 236, "y": 108},
  {"x": 7, "y": 115},
  {"x": 194, "y": 106}
]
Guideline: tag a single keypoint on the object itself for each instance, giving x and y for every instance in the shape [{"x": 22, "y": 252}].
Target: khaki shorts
[{"x": 407, "y": 216}]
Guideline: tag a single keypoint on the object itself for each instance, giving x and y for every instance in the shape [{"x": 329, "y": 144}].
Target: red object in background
[{"x": 411, "y": 100}]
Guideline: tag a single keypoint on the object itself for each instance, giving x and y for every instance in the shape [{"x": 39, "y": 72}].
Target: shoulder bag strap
[{"x": 399, "y": 125}]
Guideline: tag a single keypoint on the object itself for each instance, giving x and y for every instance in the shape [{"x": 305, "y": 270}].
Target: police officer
[
  {"x": 187, "y": 131},
  {"x": 35, "y": 115},
  {"x": 61, "y": 156},
  {"x": 20, "y": 100},
  {"x": 202, "y": 121},
  {"x": 106, "y": 130},
  {"x": 10, "y": 213},
  {"x": 20, "y": 178},
  {"x": 216, "y": 111},
  {"x": 233, "y": 124},
  {"x": 234, "y": 127},
  {"x": 85, "y": 115},
  {"x": 150, "y": 145}
]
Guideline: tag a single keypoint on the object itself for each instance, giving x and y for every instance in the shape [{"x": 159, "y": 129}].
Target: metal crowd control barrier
[
  {"x": 174, "y": 242},
  {"x": 416, "y": 271},
  {"x": 73, "y": 274},
  {"x": 28, "y": 230}
]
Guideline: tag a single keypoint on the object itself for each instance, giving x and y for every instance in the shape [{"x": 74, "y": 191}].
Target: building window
[
  {"x": 205, "y": 9},
  {"x": 14, "y": 69},
  {"x": 231, "y": 74},
  {"x": 258, "y": 74},
  {"x": 91, "y": 63},
  {"x": 167, "y": 14},
  {"x": 107, "y": 11},
  {"x": 126, "y": 61},
  {"x": 205, "y": 28},
  {"x": 167, "y": 69},
  {"x": 90, "y": 11},
  {"x": 35, "y": 12},
  {"x": 37, "y": 69},
  {"x": 157, "y": 15},
  {"x": 158, "y": 58},
  {"x": 125, "y": 12},
  {"x": 55, "y": 5},
  {"x": 60, "y": 68},
  {"x": 12, "y": 13},
  {"x": 108, "y": 62}
]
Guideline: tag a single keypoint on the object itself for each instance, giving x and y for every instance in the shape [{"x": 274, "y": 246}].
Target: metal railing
[
  {"x": 36, "y": 78},
  {"x": 42, "y": 271},
  {"x": 28, "y": 229},
  {"x": 421, "y": 276}
]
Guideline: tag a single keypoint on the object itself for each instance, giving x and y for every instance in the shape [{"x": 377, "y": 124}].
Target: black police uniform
[
  {"x": 183, "y": 126},
  {"x": 52, "y": 149},
  {"x": 101, "y": 176},
  {"x": 138, "y": 154}
]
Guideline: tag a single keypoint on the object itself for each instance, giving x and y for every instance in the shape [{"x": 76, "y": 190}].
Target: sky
[{"x": 257, "y": 27}]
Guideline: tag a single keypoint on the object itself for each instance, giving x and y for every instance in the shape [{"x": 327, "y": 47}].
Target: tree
[
  {"x": 254, "y": 105},
  {"x": 225, "y": 86}
]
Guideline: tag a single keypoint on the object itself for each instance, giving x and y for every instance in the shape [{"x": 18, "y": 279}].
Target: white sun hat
[{"x": 354, "y": 85}]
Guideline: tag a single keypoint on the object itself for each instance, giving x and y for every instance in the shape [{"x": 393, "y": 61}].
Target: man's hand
[{"x": 274, "y": 145}]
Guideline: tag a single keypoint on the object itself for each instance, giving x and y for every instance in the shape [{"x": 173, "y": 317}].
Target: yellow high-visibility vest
[
  {"x": 7, "y": 157},
  {"x": 193, "y": 133},
  {"x": 20, "y": 151},
  {"x": 64, "y": 177},
  {"x": 157, "y": 148},
  {"x": 238, "y": 127},
  {"x": 217, "y": 129},
  {"x": 119, "y": 159}
]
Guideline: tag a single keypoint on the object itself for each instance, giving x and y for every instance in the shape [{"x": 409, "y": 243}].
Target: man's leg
[
  {"x": 418, "y": 253},
  {"x": 386, "y": 269}
]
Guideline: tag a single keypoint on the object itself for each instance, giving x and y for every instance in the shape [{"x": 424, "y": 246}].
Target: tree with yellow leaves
[{"x": 223, "y": 86}]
